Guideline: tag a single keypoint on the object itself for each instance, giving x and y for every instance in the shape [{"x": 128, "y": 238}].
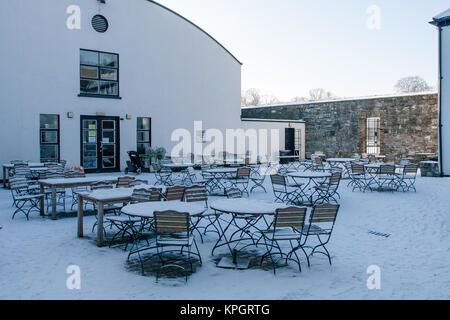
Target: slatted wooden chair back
[
  {"x": 155, "y": 194},
  {"x": 233, "y": 193},
  {"x": 141, "y": 195},
  {"x": 278, "y": 180},
  {"x": 410, "y": 169},
  {"x": 101, "y": 185},
  {"x": 191, "y": 172},
  {"x": 74, "y": 174},
  {"x": 171, "y": 222},
  {"x": 174, "y": 193},
  {"x": 387, "y": 169},
  {"x": 243, "y": 173},
  {"x": 292, "y": 217},
  {"x": 324, "y": 213},
  {"x": 357, "y": 168},
  {"x": 21, "y": 169},
  {"x": 335, "y": 177},
  {"x": 196, "y": 193},
  {"x": 124, "y": 182}
]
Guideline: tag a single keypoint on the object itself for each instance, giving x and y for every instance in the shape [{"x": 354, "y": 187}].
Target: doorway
[
  {"x": 100, "y": 143},
  {"x": 373, "y": 136}
]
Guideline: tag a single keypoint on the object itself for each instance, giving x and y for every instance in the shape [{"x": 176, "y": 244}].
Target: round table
[
  {"x": 304, "y": 192},
  {"x": 244, "y": 216},
  {"x": 341, "y": 163},
  {"x": 146, "y": 209},
  {"x": 176, "y": 167},
  {"x": 217, "y": 177}
]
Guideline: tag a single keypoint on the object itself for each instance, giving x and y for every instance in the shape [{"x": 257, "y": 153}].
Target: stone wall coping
[{"x": 343, "y": 100}]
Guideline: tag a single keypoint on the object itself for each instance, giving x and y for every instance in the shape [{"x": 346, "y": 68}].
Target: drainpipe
[{"x": 440, "y": 104}]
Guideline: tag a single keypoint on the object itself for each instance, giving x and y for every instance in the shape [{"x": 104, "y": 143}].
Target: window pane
[
  {"x": 142, "y": 148},
  {"x": 108, "y": 124},
  {"x": 108, "y": 162},
  {"x": 48, "y": 121},
  {"x": 89, "y": 72},
  {"x": 89, "y": 86},
  {"x": 89, "y": 124},
  {"x": 90, "y": 163},
  {"x": 49, "y": 137},
  {"x": 143, "y": 136},
  {"x": 90, "y": 150},
  {"x": 108, "y": 137},
  {"x": 143, "y": 123},
  {"x": 109, "y": 88},
  {"x": 108, "y": 150},
  {"x": 108, "y": 60},
  {"x": 49, "y": 152},
  {"x": 108, "y": 74},
  {"x": 88, "y": 57}
]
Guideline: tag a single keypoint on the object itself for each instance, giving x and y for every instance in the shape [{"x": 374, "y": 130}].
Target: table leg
[
  {"x": 100, "y": 212},
  {"x": 53, "y": 203},
  {"x": 4, "y": 177},
  {"x": 42, "y": 191},
  {"x": 80, "y": 216}
]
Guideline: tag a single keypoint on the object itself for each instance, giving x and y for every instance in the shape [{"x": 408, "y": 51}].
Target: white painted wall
[
  {"x": 169, "y": 71},
  {"x": 445, "y": 100},
  {"x": 280, "y": 126}
]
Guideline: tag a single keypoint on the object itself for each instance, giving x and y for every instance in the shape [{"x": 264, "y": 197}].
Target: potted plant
[{"x": 156, "y": 155}]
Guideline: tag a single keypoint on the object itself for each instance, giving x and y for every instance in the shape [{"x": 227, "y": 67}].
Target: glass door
[{"x": 99, "y": 143}]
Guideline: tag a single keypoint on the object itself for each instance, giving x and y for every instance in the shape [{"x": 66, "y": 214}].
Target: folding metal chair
[
  {"x": 387, "y": 177},
  {"x": 173, "y": 230},
  {"x": 174, "y": 193},
  {"x": 407, "y": 178},
  {"x": 327, "y": 191},
  {"x": 358, "y": 177},
  {"x": 163, "y": 175},
  {"x": 321, "y": 224},
  {"x": 241, "y": 180},
  {"x": 287, "y": 226},
  {"x": 282, "y": 190},
  {"x": 124, "y": 182},
  {"x": 23, "y": 201}
]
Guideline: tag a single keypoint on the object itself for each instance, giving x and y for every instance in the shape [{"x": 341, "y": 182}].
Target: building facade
[
  {"x": 88, "y": 82},
  {"x": 389, "y": 125}
]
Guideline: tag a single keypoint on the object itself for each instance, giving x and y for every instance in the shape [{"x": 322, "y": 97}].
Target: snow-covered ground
[{"x": 414, "y": 260}]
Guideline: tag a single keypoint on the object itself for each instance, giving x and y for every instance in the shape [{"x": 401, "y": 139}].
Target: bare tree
[
  {"x": 269, "y": 99},
  {"x": 412, "y": 84},
  {"x": 251, "y": 97},
  {"x": 320, "y": 94},
  {"x": 299, "y": 99}
]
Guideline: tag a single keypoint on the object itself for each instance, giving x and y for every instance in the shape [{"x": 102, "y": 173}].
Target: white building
[
  {"x": 87, "y": 83},
  {"x": 442, "y": 22}
]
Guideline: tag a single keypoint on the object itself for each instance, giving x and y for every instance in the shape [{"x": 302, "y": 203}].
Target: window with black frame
[
  {"x": 49, "y": 137},
  {"x": 143, "y": 139},
  {"x": 99, "y": 74},
  {"x": 373, "y": 136}
]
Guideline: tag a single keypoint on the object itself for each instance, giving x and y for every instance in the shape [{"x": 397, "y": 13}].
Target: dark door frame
[{"x": 99, "y": 128}]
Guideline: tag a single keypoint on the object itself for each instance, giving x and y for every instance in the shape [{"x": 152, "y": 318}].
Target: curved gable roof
[{"x": 190, "y": 22}]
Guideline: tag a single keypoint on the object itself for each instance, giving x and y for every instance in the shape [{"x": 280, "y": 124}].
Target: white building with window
[
  {"x": 86, "y": 81},
  {"x": 442, "y": 22}
]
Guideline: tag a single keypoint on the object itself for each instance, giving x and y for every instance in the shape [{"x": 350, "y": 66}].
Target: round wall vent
[{"x": 99, "y": 23}]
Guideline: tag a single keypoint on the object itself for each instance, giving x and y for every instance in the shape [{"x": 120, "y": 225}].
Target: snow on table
[
  {"x": 113, "y": 194},
  {"x": 221, "y": 170},
  {"x": 70, "y": 181},
  {"x": 310, "y": 174},
  {"x": 146, "y": 209},
  {"x": 246, "y": 206},
  {"x": 341, "y": 159}
]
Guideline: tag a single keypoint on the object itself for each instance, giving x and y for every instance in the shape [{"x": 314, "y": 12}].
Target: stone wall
[{"x": 408, "y": 123}]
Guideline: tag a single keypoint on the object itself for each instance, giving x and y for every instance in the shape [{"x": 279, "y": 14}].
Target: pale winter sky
[{"x": 291, "y": 46}]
